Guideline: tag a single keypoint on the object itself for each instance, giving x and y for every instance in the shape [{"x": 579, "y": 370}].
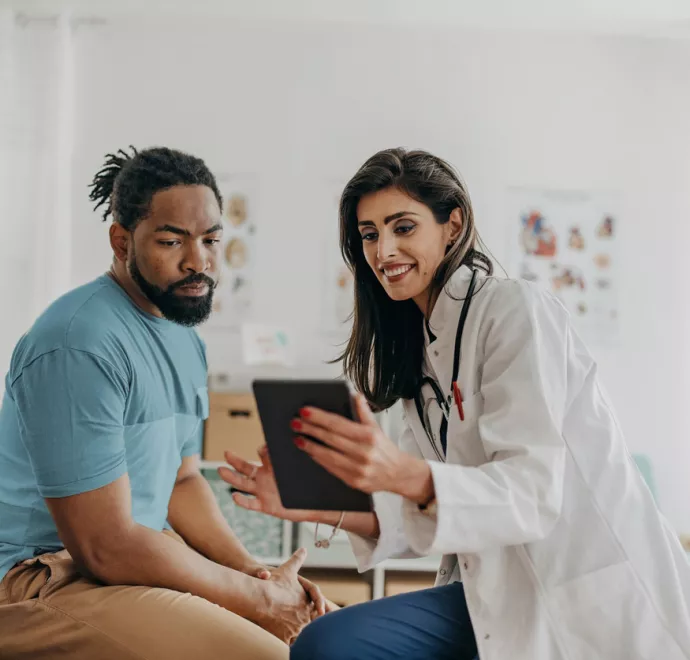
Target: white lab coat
[{"x": 542, "y": 512}]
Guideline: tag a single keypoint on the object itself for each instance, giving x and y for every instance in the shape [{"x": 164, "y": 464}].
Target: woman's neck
[{"x": 426, "y": 301}]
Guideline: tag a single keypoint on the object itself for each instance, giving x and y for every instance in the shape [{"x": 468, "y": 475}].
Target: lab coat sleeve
[
  {"x": 516, "y": 496},
  {"x": 392, "y": 542}
]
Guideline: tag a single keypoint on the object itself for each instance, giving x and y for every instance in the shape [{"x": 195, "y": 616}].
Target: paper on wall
[
  {"x": 266, "y": 345},
  {"x": 567, "y": 242}
]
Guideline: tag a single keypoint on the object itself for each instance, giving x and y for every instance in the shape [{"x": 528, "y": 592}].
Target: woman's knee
[{"x": 323, "y": 638}]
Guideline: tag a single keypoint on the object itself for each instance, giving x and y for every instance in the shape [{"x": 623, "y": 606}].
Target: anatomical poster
[
  {"x": 566, "y": 242},
  {"x": 233, "y": 298}
]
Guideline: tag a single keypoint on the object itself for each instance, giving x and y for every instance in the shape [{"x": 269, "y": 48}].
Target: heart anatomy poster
[{"x": 567, "y": 241}]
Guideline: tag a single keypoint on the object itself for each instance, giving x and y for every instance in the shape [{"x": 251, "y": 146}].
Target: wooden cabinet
[
  {"x": 343, "y": 587},
  {"x": 401, "y": 583},
  {"x": 234, "y": 424}
]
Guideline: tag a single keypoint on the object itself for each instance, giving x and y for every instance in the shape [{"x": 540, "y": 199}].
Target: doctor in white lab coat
[{"x": 519, "y": 476}]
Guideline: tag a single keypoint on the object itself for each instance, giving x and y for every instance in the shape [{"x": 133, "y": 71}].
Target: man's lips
[{"x": 198, "y": 289}]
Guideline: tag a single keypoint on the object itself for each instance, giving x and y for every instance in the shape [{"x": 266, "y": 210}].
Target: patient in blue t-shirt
[{"x": 106, "y": 523}]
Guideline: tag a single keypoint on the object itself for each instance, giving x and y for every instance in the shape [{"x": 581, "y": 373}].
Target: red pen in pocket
[{"x": 457, "y": 394}]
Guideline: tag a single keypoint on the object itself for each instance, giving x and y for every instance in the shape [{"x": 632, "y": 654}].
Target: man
[{"x": 100, "y": 432}]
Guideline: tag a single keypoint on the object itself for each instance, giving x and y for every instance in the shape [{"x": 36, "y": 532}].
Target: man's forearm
[
  {"x": 195, "y": 515},
  {"x": 142, "y": 556}
]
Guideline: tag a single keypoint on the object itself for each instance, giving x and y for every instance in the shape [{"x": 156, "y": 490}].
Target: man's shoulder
[{"x": 82, "y": 319}]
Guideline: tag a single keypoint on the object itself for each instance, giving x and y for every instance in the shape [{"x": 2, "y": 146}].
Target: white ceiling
[{"x": 652, "y": 18}]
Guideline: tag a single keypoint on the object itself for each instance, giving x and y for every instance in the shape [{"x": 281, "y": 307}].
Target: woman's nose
[{"x": 387, "y": 247}]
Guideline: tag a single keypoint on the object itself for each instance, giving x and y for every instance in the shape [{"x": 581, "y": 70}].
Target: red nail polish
[
  {"x": 296, "y": 425},
  {"x": 299, "y": 443},
  {"x": 304, "y": 413}
]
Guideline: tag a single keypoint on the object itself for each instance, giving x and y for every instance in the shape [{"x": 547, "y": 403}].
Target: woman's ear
[{"x": 455, "y": 225}]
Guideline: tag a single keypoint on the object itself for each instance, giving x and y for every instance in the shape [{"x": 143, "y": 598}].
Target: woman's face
[{"x": 403, "y": 244}]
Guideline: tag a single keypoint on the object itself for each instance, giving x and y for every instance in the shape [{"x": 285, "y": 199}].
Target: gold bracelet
[{"x": 326, "y": 543}]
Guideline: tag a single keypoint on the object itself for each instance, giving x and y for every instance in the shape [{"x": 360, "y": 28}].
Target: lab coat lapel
[{"x": 444, "y": 324}]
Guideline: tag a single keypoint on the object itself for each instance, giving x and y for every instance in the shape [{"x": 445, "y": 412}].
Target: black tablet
[{"x": 303, "y": 483}]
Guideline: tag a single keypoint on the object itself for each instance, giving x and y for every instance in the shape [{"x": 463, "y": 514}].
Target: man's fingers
[
  {"x": 315, "y": 594},
  {"x": 295, "y": 562},
  {"x": 236, "y": 480}
]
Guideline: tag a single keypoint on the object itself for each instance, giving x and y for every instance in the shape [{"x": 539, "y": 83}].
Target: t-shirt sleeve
[
  {"x": 71, "y": 411},
  {"x": 194, "y": 443}
]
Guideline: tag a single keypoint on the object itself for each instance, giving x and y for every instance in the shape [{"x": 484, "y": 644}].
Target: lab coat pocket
[
  {"x": 472, "y": 407},
  {"x": 608, "y": 614},
  {"x": 464, "y": 441}
]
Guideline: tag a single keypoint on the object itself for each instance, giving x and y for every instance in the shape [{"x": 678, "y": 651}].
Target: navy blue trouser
[{"x": 432, "y": 624}]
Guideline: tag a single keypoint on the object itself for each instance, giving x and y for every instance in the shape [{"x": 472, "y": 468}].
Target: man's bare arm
[
  {"x": 97, "y": 529},
  {"x": 195, "y": 515}
]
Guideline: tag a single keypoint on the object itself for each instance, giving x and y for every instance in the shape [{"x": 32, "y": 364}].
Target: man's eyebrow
[
  {"x": 173, "y": 230},
  {"x": 184, "y": 232}
]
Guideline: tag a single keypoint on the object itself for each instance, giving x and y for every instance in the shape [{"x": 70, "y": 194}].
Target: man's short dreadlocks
[{"x": 127, "y": 182}]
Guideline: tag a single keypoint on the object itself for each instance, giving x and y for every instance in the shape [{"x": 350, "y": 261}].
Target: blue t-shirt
[{"x": 96, "y": 389}]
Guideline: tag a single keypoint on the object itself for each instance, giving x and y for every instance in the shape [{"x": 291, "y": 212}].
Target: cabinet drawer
[
  {"x": 402, "y": 583},
  {"x": 233, "y": 423},
  {"x": 342, "y": 587}
]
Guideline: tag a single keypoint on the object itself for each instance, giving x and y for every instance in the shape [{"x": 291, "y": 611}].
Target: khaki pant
[{"x": 48, "y": 610}]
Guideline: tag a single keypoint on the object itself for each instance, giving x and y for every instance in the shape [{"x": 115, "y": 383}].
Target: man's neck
[{"x": 119, "y": 274}]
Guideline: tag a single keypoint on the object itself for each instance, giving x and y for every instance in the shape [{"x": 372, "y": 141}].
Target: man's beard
[{"x": 185, "y": 310}]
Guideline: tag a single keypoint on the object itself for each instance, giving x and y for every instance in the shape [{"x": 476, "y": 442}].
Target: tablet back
[{"x": 303, "y": 483}]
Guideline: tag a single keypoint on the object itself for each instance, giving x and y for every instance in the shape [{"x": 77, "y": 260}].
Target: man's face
[{"x": 174, "y": 256}]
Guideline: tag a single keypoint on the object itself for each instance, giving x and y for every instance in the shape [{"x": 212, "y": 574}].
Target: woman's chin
[{"x": 400, "y": 294}]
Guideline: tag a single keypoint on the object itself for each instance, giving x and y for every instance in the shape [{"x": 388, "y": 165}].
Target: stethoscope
[{"x": 444, "y": 402}]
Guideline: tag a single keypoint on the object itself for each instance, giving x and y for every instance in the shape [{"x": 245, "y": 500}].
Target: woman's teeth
[{"x": 394, "y": 272}]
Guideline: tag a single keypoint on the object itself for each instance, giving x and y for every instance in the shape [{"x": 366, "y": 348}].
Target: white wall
[
  {"x": 303, "y": 105},
  {"x": 35, "y": 169}
]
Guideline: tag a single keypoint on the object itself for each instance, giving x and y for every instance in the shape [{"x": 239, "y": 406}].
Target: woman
[{"x": 512, "y": 466}]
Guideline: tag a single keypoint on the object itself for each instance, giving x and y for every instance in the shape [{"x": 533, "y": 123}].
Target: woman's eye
[
  {"x": 404, "y": 229},
  {"x": 370, "y": 236}
]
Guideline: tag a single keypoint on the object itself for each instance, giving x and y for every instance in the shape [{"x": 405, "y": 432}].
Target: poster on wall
[
  {"x": 338, "y": 287},
  {"x": 566, "y": 242},
  {"x": 266, "y": 345},
  {"x": 233, "y": 298}
]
